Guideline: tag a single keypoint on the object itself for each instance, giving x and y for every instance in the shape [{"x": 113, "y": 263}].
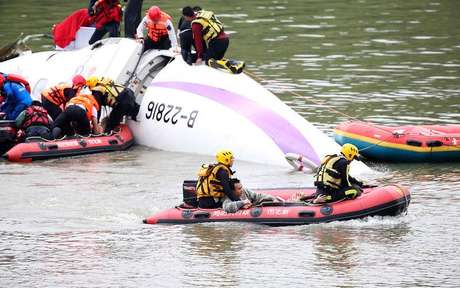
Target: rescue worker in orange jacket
[
  {"x": 160, "y": 30},
  {"x": 35, "y": 121},
  {"x": 80, "y": 117},
  {"x": 107, "y": 15},
  {"x": 54, "y": 98}
]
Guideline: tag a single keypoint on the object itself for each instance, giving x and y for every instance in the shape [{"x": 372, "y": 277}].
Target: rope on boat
[{"x": 406, "y": 199}]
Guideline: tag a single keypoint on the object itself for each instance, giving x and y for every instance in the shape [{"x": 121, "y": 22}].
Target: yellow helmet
[
  {"x": 350, "y": 152},
  {"x": 224, "y": 156},
  {"x": 92, "y": 81}
]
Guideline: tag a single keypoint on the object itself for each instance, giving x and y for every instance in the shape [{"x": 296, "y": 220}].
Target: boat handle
[
  {"x": 201, "y": 215},
  {"x": 434, "y": 143},
  {"x": 113, "y": 142},
  {"x": 306, "y": 214},
  {"x": 415, "y": 143},
  {"x": 52, "y": 146}
]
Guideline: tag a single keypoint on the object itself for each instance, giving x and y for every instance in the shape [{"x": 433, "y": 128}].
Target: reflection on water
[
  {"x": 208, "y": 239},
  {"x": 77, "y": 222},
  {"x": 335, "y": 249}
]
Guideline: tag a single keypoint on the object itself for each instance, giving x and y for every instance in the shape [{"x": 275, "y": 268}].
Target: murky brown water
[{"x": 77, "y": 222}]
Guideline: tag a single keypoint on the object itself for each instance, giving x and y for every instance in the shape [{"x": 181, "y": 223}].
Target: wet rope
[
  {"x": 349, "y": 117},
  {"x": 322, "y": 104},
  {"x": 309, "y": 98}
]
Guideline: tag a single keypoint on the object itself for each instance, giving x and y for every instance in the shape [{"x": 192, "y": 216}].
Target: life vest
[
  {"x": 36, "y": 116},
  {"x": 327, "y": 176},
  {"x": 208, "y": 185},
  {"x": 18, "y": 79},
  {"x": 158, "y": 29},
  {"x": 56, "y": 94},
  {"x": 211, "y": 25},
  {"x": 88, "y": 102},
  {"x": 110, "y": 89}
]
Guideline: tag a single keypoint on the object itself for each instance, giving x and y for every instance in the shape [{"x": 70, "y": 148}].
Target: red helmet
[
  {"x": 78, "y": 80},
  {"x": 154, "y": 13},
  {"x": 2, "y": 79}
]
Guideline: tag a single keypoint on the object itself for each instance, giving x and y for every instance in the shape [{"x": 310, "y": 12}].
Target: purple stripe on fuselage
[{"x": 284, "y": 134}]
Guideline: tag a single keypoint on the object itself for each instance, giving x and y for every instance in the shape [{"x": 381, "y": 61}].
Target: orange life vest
[
  {"x": 158, "y": 29},
  {"x": 56, "y": 94},
  {"x": 88, "y": 102}
]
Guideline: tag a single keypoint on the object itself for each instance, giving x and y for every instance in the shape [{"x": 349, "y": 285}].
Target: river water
[{"x": 78, "y": 222}]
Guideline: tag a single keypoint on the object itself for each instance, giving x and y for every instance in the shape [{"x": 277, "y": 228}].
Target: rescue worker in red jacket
[
  {"x": 107, "y": 15},
  {"x": 160, "y": 30},
  {"x": 54, "y": 98},
  {"x": 80, "y": 117},
  {"x": 35, "y": 121}
]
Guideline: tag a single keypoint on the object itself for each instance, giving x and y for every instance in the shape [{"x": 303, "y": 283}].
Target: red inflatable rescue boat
[
  {"x": 382, "y": 201},
  {"x": 120, "y": 139},
  {"x": 409, "y": 143}
]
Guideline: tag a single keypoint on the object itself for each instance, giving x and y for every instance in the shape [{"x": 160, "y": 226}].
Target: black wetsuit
[
  {"x": 162, "y": 44},
  {"x": 133, "y": 17},
  {"x": 186, "y": 41},
  {"x": 125, "y": 106},
  {"x": 72, "y": 114}
]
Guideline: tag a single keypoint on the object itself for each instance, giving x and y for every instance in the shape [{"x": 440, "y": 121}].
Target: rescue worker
[
  {"x": 214, "y": 182},
  {"x": 206, "y": 27},
  {"x": 15, "y": 91},
  {"x": 132, "y": 17},
  {"x": 107, "y": 16},
  {"x": 333, "y": 181},
  {"x": 54, "y": 98},
  {"x": 160, "y": 30},
  {"x": 80, "y": 116},
  {"x": 35, "y": 121},
  {"x": 120, "y": 99},
  {"x": 247, "y": 198},
  {"x": 186, "y": 36}
]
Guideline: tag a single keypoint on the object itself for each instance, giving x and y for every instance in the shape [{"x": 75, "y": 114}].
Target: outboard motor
[
  {"x": 7, "y": 135},
  {"x": 189, "y": 193}
]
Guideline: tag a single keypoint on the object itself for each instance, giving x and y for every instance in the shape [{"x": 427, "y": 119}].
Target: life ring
[{"x": 299, "y": 162}]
